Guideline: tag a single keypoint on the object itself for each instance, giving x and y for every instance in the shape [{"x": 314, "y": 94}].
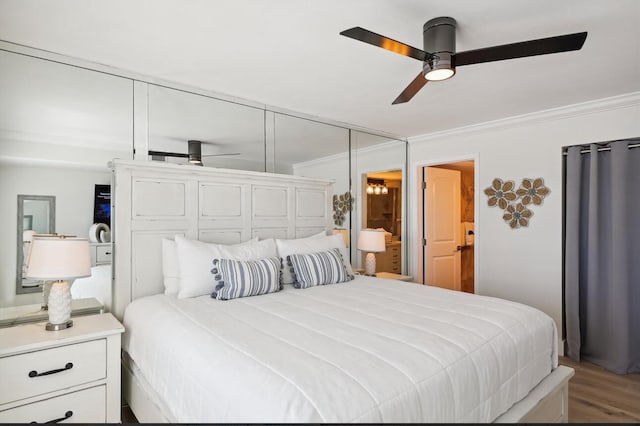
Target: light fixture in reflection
[{"x": 376, "y": 187}]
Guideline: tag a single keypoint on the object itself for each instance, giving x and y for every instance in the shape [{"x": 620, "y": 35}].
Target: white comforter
[{"x": 371, "y": 350}]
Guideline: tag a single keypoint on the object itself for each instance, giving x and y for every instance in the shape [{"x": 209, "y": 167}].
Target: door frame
[
  {"x": 357, "y": 191},
  {"x": 419, "y": 218}
]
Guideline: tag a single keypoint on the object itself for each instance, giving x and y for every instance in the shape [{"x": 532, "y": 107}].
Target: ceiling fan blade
[
  {"x": 542, "y": 46},
  {"x": 410, "y": 91},
  {"x": 168, "y": 154},
  {"x": 359, "y": 33}
]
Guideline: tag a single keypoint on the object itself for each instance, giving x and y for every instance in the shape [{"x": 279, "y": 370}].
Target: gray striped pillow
[
  {"x": 319, "y": 268},
  {"x": 238, "y": 278}
]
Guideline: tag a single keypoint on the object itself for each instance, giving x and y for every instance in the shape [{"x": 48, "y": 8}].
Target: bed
[{"x": 362, "y": 350}]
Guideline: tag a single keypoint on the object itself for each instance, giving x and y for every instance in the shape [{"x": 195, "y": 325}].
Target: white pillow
[
  {"x": 195, "y": 261},
  {"x": 310, "y": 245},
  {"x": 170, "y": 267}
]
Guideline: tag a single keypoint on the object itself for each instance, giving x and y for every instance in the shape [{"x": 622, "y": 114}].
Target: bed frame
[
  {"x": 155, "y": 200},
  {"x": 151, "y": 201}
]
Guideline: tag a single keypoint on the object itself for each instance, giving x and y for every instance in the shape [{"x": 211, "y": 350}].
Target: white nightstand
[
  {"x": 71, "y": 374},
  {"x": 392, "y": 276}
]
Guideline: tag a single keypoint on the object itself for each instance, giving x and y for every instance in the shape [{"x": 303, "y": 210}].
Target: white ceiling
[{"x": 288, "y": 53}]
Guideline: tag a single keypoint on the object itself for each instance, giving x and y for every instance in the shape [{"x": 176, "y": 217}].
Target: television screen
[{"x": 102, "y": 204}]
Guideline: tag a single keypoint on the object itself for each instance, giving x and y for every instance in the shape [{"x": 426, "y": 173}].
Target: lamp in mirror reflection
[
  {"x": 59, "y": 258},
  {"x": 377, "y": 187}
]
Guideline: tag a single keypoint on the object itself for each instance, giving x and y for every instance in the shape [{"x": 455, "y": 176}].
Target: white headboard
[{"x": 154, "y": 200}]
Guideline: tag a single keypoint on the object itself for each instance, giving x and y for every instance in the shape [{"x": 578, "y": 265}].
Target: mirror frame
[{"x": 20, "y": 289}]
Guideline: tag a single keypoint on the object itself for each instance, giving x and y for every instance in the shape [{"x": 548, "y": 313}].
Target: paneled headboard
[{"x": 154, "y": 200}]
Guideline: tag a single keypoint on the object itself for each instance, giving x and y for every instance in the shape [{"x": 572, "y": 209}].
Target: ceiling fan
[
  {"x": 440, "y": 58},
  {"x": 194, "y": 153}
]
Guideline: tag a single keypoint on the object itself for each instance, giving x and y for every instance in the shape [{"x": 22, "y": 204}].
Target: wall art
[
  {"x": 516, "y": 203},
  {"x": 342, "y": 204}
]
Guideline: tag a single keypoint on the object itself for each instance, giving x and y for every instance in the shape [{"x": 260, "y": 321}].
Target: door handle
[{"x": 458, "y": 248}]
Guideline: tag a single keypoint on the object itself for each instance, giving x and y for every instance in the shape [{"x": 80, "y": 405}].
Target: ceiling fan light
[{"x": 439, "y": 74}]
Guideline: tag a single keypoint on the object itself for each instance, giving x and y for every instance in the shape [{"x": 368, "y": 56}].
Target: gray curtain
[{"x": 602, "y": 255}]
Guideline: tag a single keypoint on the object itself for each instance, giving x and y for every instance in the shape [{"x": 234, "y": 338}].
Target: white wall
[
  {"x": 73, "y": 189},
  {"x": 523, "y": 265}
]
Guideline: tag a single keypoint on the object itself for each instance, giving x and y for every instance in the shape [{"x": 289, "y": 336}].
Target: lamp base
[
  {"x": 59, "y": 307},
  {"x": 370, "y": 264},
  {"x": 56, "y": 327},
  {"x": 46, "y": 289}
]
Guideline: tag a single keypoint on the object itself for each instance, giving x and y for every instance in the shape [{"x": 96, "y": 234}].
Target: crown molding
[{"x": 626, "y": 100}]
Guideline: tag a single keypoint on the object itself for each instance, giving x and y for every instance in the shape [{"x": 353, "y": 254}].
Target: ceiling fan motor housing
[
  {"x": 195, "y": 152},
  {"x": 439, "y": 36}
]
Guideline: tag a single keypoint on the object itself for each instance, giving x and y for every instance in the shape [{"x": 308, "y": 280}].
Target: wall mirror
[
  {"x": 36, "y": 215},
  {"x": 378, "y": 179},
  {"x": 311, "y": 148},
  {"x": 232, "y": 134}
]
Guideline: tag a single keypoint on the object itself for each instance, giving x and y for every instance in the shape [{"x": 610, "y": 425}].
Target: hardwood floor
[
  {"x": 595, "y": 396},
  {"x": 599, "y": 396}
]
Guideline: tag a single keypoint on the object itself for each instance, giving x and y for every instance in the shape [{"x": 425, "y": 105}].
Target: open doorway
[
  {"x": 447, "y": 224},
  {"x": 382, "y": 210}
]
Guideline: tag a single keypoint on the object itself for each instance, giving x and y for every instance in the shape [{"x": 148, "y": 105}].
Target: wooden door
[{"x": 442, "y": 224}]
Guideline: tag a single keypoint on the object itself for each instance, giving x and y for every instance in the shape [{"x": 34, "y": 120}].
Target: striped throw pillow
[
  {"x": 319, "y": 268},
  {"x": 238, "y": 278}
]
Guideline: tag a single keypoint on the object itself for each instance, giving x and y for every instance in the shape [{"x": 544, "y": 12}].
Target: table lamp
[
  {"x": 59, "y": 258},
  {"x": 371, "y": 241}
]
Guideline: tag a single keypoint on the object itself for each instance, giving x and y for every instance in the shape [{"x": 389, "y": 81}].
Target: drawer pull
[
  {"x": 34, "y": 373},
  {"x": 107, "y": 253},
  {"x": 67, "y": 415}
]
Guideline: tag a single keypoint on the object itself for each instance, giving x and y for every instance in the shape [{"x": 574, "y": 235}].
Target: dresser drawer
[
  {"x": 103, "y": 254},
  {"x": 36, "y": 373},
  {"x": 85, "y": 406}
]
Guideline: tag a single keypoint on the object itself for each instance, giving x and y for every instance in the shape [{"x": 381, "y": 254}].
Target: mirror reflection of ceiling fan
[
  {"x": 440, "y": 58},
  {"x": 194, "y": 154}
]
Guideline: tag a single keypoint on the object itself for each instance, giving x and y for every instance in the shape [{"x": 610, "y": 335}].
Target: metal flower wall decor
[
  {"x": 341, "y": 205},
  {"x": 516, "y": 202}
]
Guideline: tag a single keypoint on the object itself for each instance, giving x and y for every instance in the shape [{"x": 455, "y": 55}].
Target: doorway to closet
[{"x": 447, "y": 225}]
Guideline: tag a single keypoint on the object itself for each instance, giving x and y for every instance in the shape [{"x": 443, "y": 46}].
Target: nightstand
[
  {"x": 71, "y": 374},
  {"x": 392, "y": 276},
  {"x": 23, "y": 314}
]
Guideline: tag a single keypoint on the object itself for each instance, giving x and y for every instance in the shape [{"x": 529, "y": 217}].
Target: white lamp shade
[
  {"x": 371, "y": 241},
  {"x": 59, "y": 259}
]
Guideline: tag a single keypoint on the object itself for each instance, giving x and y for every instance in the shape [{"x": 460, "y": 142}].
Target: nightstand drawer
[
  {"x": 37, "y": 373},
  {"x": 103, "y": 254},
  {"x": 85, "y": 406}
]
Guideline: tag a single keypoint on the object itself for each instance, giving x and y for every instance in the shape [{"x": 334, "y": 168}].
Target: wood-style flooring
[
  {"x": 595, "y": 396},
  {"x": 599, "y": 396}
]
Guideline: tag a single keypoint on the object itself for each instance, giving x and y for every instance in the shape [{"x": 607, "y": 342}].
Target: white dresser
[
  {"x": 71, "y": 375},
  {"x": 100, "y": 253}
]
